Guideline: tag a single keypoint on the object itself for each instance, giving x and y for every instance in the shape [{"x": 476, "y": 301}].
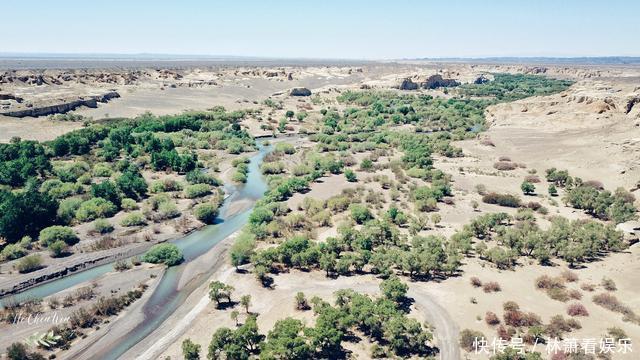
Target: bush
[
  {"x": 491, "y": 318},
  {"x": 102, "y": 226},
  {"x": 475, "y": 282},
  {"x": 95, "y": 208},
  {"x": 547, "y": 282},
  {"x": 569, "y": 276},
  {"x": 167, "y": 253},
  {"x": 350, "y": 175},
  {"x": 577, "y": 309},
  {"x": 206, "y": 213},
  {"x": 29, "y": 263},
  {"x": 129, "y": 204},
  {"x": 197, "y": 190},
  {"x": 58, "y": 248},
  {"x": 67, "y": 209},
  {"x": 13, "y": 251},
  {"x": 491, "y": 286},
  {"x": 360, "y": 213},
  {"x": 506, "y": 200},
  {"x": 608, "y": 284},
  {"x": 610, "y": 302},
  {"x": 617, "y": 333},
  {"x": 510, "y": 306},
  {"x": 133, "y": 219},
  {"x": 468, "y": 338},
  {"x": 58, "y": 233},
  {"x": 168, "y": 210},
  {"x": 505, "y": 165}
]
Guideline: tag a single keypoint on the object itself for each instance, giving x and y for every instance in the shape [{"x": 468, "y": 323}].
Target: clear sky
[{"x": 356, "y": 29}]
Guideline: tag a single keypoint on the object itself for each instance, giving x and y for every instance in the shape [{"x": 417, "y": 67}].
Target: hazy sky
[{"x": 325, "y": 28}]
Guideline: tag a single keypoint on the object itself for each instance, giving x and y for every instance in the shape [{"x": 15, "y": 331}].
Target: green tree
[
  {"x": 245, "y": 301},
  {"x": 289, "y": 114},
  {"x": 190, "y": 350},
  {"x": 219, "y": 290},
  {"x": 287, "y": 341},
  {"x": 394, "y": 289},
  {"x": 527, "y": 188}
]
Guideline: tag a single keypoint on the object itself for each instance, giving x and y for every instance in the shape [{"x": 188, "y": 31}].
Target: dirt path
[{"x": 446, "y": 330}]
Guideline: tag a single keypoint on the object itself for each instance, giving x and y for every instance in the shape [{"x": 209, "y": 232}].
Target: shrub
[
  {"x": 167, "y": 253},
  {"x": 577, "y": 309},
  {"x": 197, "y": 190},
  {"x": 491, "y": 286},
  {"x": 129, "y": 204},
  {"x": 547, "y": 282},
  {"x": 559, "y": 294},
  {"x": 133, "y": 219},
  {"x": 617, "y": 333},
  {"x": 102, "y": 226},
  {"x": 350, "y": 175},
  {"x": 58, "y": 248},
  {"x": 491, "y": 318},
  {"x": 29, "y": 263},
  {"x": 505, "y": 165},
  {"x": 534, "y": 179},
  {"x": 272, "y": 168},
  {"x": 468, "y": 338},
  {"x": 167, "y": 210},
  {"x": 206, "y": 212},
  {"x": 67, "y": 209},
  {"x": 95, "y": 208},
  {"x": 569, "y": 276},
  {"x": 510, "y": 306},
  {"x": 13, "y": 251},
  {"x": 587, "y": 287},
  {"x": 506, "y": 200},
  {"x": 608, "y": 284},
  {"x": 475, "y": 282},
  {"x": 58, "y": 233},
  {"x": 610, "y": 302},
  {"x": 360, "y": 213}
]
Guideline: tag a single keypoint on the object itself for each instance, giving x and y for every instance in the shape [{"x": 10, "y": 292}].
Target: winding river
[{"x": 168, "y": 294}]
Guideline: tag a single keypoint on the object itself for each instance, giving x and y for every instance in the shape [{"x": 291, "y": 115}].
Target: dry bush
[
  {"x": 559, "y": 294},
  {"x": 577, "y": 309},
  {"x": 594, "y": 184},
  {"x": 491, "y": 286},
  {"x": 475, "y": 281},
  {"x": 610, "y": 302},
  {"x": 587, "y": 287},
  {"x": 575, "y": 294},
  {"x": 448, "y": 200},
  {"x": 510, "y": 306},
  {"x": 505, "y": 333},
  {"x": 558, "y": 326},
  {"x": 491, "y": 318},
  {"x": 504, "y": 158},
  {"x": 505, "y": 166},
  {"x": 608, "y": 284},
  {"x": 468, "y": 338},
  {"x": 514, "y": 318},
  {"x": 534, "y": 179},
  {"x": 547, "y": 282},
  {"x": 569, "y": 276}
]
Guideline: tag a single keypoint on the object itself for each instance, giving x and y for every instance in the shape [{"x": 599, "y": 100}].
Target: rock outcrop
[
  {"x": 436, "y": 81},
  {"x": 61, "y": 108},
  {"x": 631, "y": 103},
  {"x": 481, "y": 80},
  {"x": 300, "y": 92},
  {"x": 408, "y": 84}
]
